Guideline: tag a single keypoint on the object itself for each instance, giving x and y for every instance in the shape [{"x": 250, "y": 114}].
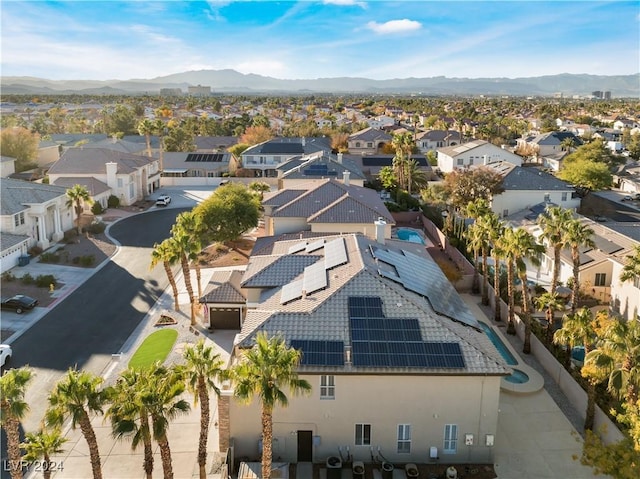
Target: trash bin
[
  {"x": 24, "y": 260},
  {"x": 387, "y": 470},
  {"x": 334, "y": 467},
  {"x": 357, "y": 470}
]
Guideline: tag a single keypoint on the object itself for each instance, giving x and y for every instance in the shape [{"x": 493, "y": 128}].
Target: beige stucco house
[
  {"x": 316, "y": 168},
  {"x": 395, "y": 359},
  {"x": 368, "y": 141},
  {"x": 473, "y": 153}
]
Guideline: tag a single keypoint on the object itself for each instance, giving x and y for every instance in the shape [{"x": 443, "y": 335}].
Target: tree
[
  {"x": 595, "y": 151},
  {"x": 121, "y": 121},
  {"x": 264, "y": 371},
  {"x": 191, "y": 225},
  {"x": 202, "y": 369},
  {"x": 576, "y": 236},
  {"x": 77, "y": 195},
  {"x": 13, "y": 408},
  {"x": 179, "y": 139},
  {"x": 528, "y": 250},
  {"x": 404, "y": 146},
  {"x": 340, "y": 142},
  {"x": 497, "y": 229},
  {"x": 146, "y": 128},
  {"x": 256, "y": 134},
  {"x": 578, "y": 329},
  {"x": 476, "y": 242},
  {"x": 586, "y": 175},
  {"x": 237, "y": 149},
  {"x": 486, "y": 224},
  {"x": 465, "y": 186},
  {"x": 508, "y": 246},
  {"x": 388, "y": 178},
  {"x": 129, "y": 414},
  {"x": 631, "y": 268},
  {"x": 180, "y": 243},
  {"x": 21, "y": 144},
  {"x": 229, "y": 212},
  {"x": 78, "y": 394},
  {"x": 161, "y": 397},
  {"x": 165, "y": 253},
  {"x": 41, "y": 445},
  {"x": 259, "y": 187},
  {"x": 553, "y": 222},
  {"x": 550, "y": 302}
]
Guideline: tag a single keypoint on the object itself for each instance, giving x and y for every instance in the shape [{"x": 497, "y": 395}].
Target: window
[
  {"x": 120, "y": 183},
  {"x": 450, "y": 445},
  {"x": 564, "y": 196},
  {"x": 370, "y": 145},
  {"x": 471, "y": 161},
  {"x": 601, "y": 279},
  {"x": 547, "y": 198},
  {"x": 327, "y": 387},
  {"x": 18, "y": 219},
  {"x": 131, "y": 190},
  {"x": 460, "y": 161},
  {"x": 404, "y": 438},
  {"x": 363, "y": 434},
  {"x": 505, "y": 213},
  {"x": 357, "y": 144}
]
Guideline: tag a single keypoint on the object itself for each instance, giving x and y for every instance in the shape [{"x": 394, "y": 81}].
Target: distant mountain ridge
[{"x": 231, "y": 81}]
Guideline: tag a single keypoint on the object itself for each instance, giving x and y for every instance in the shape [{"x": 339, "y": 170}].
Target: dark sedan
[{"x": 19, "y": 303}]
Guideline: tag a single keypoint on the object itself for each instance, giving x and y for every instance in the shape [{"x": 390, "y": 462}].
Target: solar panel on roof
[
  {"x": 606, "y": 246},
  {"x": 335, "y": 253},
  {"x": 296, "y": 248},
  {"x": 291, "y": 291},
  {"x": 320, "y": 353},
  {"x": 585, "y": 258},
  {"x": 205, "y": 157},
  {"x": 275, "y": 147},
  {"x": 316, "y": 245},
  {"x": 315, "y": 277}
]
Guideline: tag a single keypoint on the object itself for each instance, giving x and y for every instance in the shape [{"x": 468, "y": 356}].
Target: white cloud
[
  {"x": 345, "y": 3},
  {"x": 394, "y": 26}
]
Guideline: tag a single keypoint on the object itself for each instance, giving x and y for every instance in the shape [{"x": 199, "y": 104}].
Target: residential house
[
  {"x": 548, "y": 144},
  {"x": 397, "y": 362},
  {"x": 368, "y": 141},
  {"x": 371, "y": 165},
  {"x": 433, "y": 139},
  {"x": 476, "y": 152},
  {"x": 180, "y": 168},
  {"x": 128, "y": 177},
  {"x": 327, "y": 206},
  {"x": 380, "y": 122},
  {"x": 627, "y": 177},
  {"x": 7, "y": 166},
  {"x": 525, "y": 187},
  {"x": 625, "y": 123},
  {"x": 625, "y": 296},
  {"x": 264, "y": 158},
  {"x": 224, "y": 301},
  {"x": 48, "y": 153},
  {"x": 31, "y": 214},
  {"x": 316, "y": 167}
]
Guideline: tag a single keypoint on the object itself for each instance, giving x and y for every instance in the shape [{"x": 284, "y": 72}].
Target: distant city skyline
[{"x": 87, "y": 40}]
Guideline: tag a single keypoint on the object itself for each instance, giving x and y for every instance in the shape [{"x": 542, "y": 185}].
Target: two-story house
[
  {"x": 473, "y": 153},
  {"x": 433, "y": 139},
  {"x": 317, "y": 167},
  {"x": 368, "y": 141},
  {"x": 264, "y": 158}
]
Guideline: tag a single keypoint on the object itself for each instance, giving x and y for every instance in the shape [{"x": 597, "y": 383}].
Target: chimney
[
  {"x": 339, "y": 157},
  {"x": 485, "y": 159},
  {"x": 345, "y": 178},
  {"x": 380, "y": 225},
  {"x": 112, "y": 170}
]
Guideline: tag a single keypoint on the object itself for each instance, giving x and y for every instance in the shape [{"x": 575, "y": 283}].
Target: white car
[
  {"x": 163, "y": 200},
  {"x": 5, "y": 354}
]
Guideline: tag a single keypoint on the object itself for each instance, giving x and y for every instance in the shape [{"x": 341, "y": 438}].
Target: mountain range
[{"x": 231, "y": 81}]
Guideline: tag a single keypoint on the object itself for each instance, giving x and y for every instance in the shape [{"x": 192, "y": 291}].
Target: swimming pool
[
  {"x": 517, "y": 377},
  {"x": 409, "y": 235},
  {"x": 500, "y": 346}
]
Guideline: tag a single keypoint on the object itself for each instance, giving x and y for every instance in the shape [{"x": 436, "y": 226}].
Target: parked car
[
  {"x": 627, "y": 198},
  {"x": 600, "y": 219},
  {"x": 19, "y": 303},
  {"x": 163, "y": 200},
  {"x": 5, "y": 354}
]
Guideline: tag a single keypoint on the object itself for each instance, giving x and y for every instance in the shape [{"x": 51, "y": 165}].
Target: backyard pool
[
  {"x": 500, "y": 346},
  {"x": 409, "y": 235},
  {"x": 517, "y": 377}
]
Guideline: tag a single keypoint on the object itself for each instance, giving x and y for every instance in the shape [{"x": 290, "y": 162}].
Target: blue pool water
[
  {"x": 409, "y": 235},
  {"x": 497, "y": 342},
  {"x": 517, "y": 377}
]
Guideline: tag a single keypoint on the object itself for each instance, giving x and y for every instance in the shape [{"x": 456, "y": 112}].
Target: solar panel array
[
  {"x": 319, "y": 170},
  {"x": 296, "y": 248},
  {"x": 320, "y": 353},
  {"x": 423, "y": 276},
  {"x": 377, "y": 341},
  {"x": 316, "y": 245},
  {"x": 335, "y": 253},
  {"x": 205, "y": 157},
  {"x": 291, "y": 291},
  {"x": 282, "y": 148},
  {"x": 315, "y": 278},
  {"x": 605, "y": 245}
]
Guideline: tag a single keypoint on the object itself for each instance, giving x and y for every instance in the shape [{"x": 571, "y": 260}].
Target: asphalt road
[{"x": 94, "y": 321}]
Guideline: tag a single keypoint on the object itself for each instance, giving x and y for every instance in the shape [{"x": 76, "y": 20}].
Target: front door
[{"x": 305, "y": 446}]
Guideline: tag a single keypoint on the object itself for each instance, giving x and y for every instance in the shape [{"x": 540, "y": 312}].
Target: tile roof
[
  {"x": 281, "y": 197},
  {"x": 17, "y": 195},
  {"x": 297, "y": 168},
  {"x": 555, "y": 138},
  {"x": 387, "y": 160},
  {"x": 92, "y": 161},
  {"x": 438, "y": 135},
  {"x": 224, "y": 287},
  {"x": 456, "y": 150},
  {"x": 348, "y": 209},
  {"x": 264, "y": 245},
  {"x": 93, "y": 186},
  {"x": 8, "y": 240},
  {"x": 323, "y": 315},
  {"x": 370, "y": 134},
  {"x": 123, "y": 146},
  {"x": 527, "y": 178},
  {"x": 274, "y": 271}
]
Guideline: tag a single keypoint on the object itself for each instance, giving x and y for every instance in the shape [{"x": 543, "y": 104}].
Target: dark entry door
[{"x": 305, "y": 446}]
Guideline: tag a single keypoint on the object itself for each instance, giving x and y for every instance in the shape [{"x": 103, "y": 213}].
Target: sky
[{"x": 104, "y": 40}]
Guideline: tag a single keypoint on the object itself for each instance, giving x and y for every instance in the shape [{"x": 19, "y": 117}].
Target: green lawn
[{"x": 155, "y": 348}]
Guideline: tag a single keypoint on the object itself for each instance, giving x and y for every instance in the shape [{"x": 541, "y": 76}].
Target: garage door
[
  {"x": 10, "y": 260},
  {"x": 224, "y": 318}
]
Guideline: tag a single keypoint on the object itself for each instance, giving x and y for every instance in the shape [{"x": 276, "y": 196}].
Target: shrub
[
  {"x": 27, "y": 279},
  {"x": 87, "y": 260},
  {"x": 8, "y": 276},
  {"x": 76, "y": 260},
  {"x": 70, "y": 236},
  {"x": 97, "y": 208},
  {"x": 113, "y": 201},
  {"x": 35, "y": 250},
  {"x": 44, "y": 280},
  {"x": 97, "y": 228},
  {"x": 49, "y": 258}
]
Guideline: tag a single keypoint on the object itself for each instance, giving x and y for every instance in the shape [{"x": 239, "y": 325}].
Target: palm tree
[
  {"x": 496, "y": 231},
  {"x": 77, "y": 195},
  {"x": 475, "y": 243},
  {"x": 618, "y": 355},
  {"x": 13, "y": 408},
  {"x": 146, "y": 128},
  {"x": 202, "y": 369},
  {"x": 166, "y": 253},
  {"x": 129, "y": 415},
  {"x": 485, "y": 224},
  {"x": 403, "y": 145},
  {"x": 477, "y": 208},
  {"x": 631, "y": 269},
  {"x": 78, "y": 394},
  {"x": 577, "y": 235},
  {"x": 553, "y": 222},
  {"x": 180, "y": 242},
  {"x": 578, "y": 329},
  {"x": 527, "y": 249},
  {"x": 550, "y": 303},
  {"x": 161, "y": 397},
  {"x": 42, "y": 445},
  {"x": 568, "y": 144},
  {"x": 264, "y": 371},
  {"x": 191, "y": 225},
  {"x": 416, "y": 177},
  {"x": 508, "y": 247}
]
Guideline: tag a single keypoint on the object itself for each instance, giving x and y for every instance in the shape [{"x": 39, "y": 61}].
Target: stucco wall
[
  {"x": 425, "y": 402},
  {"x": 515, "y": 201}
]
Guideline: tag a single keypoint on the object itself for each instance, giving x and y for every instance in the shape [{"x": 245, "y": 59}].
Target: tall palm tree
[
  {"x": 161, "y": 397},
  {"x": 42, "y": 445},
  {"x": 486, "y": 224},
  {"x": 618, "y": 355},
  {"x": 180, "y": 241},
  {"x": 497, "y": 231},
  {"x": 166, "y": 253},
  {"x": 508, "y": 246},
  {"x": 553, "y": 223},
  {"x": 631, "y": 269},
  {"x": 527, "y": 250},
  {"x": 191, "y": 225},
  {"x": 77, "y": 395},
  {"x": 77, "y": 195},
  {"x": 147, "y": 128},
  {"x": 550, "y": 303},
  {"x": 129, "y": 415},
  {"x": 477, "y": 208},
  {"x": 475, "y": 239},
  {"x": 416, "y": 177},
  {"x": 264, "y": 371},
  {"x": 202, "y": 369},
  {"x": 577, "y": 235},
  {"x": 578, "y": 329},
  {"x": 13, "y": 408},
  {"x": 404, "y": 146}
]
